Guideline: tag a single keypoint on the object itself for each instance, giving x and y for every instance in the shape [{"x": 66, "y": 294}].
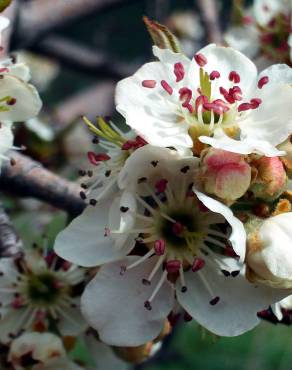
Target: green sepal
[{"x": 162, "y": 36}]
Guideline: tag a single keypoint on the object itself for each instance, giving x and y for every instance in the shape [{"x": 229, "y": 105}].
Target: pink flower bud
[
  {"x": 225, "y": 174},
  {"x": 271, "y": 177}
]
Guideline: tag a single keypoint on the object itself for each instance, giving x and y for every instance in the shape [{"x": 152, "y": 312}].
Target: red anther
[
  {"x": 214, "y": 301},
  {"x": 255, "y": 102},
  {"x": 229, "y": 98},
  {"x": 159, "y": 247},
  {"x": 17, "y": 303},
  {"x": 177, "y": 228},
  {"x": 2, "y": 70},
  {"x": 234, "y": 77},
  {"x": 179, "y": 71},
  {"x": 95, "y": 159},
  {"x": 161, "y": 185},
  {"x": 247, "y": 20},
  {"x": 263, "y": 81},
  {"x": 186, "y": 95},
  {"x": 235, "y": 92},
  {"x": 166, "y": 87},
  {"x": 187, "y": 317},
  {"x": 106, "y": 232},
  {"x": 200, "y": 59},
  {"x": 140, "y": 141},
  {"x": 221, "y": 104},
  {"x": 266, "y": 38},
  {"x": 214, "y": 75},
  {"x": 173, "y": 266},
  {"x": 40, "y": 315},
  {"x": 150, "y": 84},
  {"x": 198, "y": 264},
  {"x": 201, "y": 100},
  {"x": 244, "y": 106},
  {"x": 58, "y": 285},
  {"x": 130, "y": 144},
  {"x": 66, "y": 265}
]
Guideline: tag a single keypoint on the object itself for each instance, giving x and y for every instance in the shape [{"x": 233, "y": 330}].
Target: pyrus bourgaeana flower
[
  {"x": 183, "y": 240},
  {"x": 264, "y": 31},
  {"x": 268, "y": 253},
  {"x": 36, "y": 290},
  {"x": 39, "y": 351},
  {"x": 217, "y": 97}
]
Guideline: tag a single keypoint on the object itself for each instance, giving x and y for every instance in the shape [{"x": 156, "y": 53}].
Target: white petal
[
  {"x": 6, "y": 138},
  {"x": 244, "y": 146},
  {"x": 236, "y": 311},
  {"x": 10, "y": 324},
  {"x": 278, "y": 74},
  {"x": 244, "y": 39},
  {"x": 277, "y": 251},
  {"x": 238, "y": 235},
  {"x": 226, "y": 59},
  {"x": 84, "y": 242},
  {"x": 114, "y": 304},
  {"x": 103, "y": 355},
  {"x": 71, "y": 321},
  {"x": 158, "y": 119},
  {"x": 20, "y": 70},
  {"x": 28, "y": 103},
  {"x": 271, "y": 122},
  {"x": 154, "y": 163}
]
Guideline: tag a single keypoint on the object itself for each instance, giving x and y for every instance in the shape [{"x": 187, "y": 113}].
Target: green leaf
[
  {"x": 162, "y": 36},
  {"x": 4, "y": 4}
]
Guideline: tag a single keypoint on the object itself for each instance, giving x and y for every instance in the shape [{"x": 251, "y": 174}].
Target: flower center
[{"x": 45, "y": 289}]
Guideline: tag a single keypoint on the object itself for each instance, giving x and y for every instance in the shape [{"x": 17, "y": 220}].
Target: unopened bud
[{"x": 224, "y": 174}]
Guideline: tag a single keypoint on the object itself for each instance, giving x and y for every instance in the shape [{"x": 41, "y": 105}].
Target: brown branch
[
  {"x": 210, "y": 17},
  {"x": 83, "y": 58},
  {"x": 10, "y": 244},
  {"x": 27, "y": 178}
]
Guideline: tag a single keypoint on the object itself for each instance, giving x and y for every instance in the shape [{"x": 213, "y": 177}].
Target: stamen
[
  {"x": 95, "y": 159},
  {"x": 150, "y": 84},
  {"x": 139, "y": 261},
  {"x": 234, "y": 77},
  {"x": 182, "y": 280},
  {"x": 166, "y": 87},
  {"x": 198, "y": 264},
  {"x": 214, "y": 75},
  {"x": 179, "y": 71},
  {"x": 173, "y": 266},
  {"x": 263, "y": 81},
  {"x": 214, "y": 301},
  {"x": 200, "y": 59},
  {"x": 177, "y": 228},
  {"x": 161, "y": 185},
  {"x": 158, "y": 286},
  {"x": 159, "y": 247}
]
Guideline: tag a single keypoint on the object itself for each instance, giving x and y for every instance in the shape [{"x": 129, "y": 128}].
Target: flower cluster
[
  {"x": 183, "y": 209},
  {"x": 264, "y": 31}
]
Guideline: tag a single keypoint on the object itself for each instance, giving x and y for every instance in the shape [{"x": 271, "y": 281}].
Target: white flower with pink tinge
[
  {"x": 182, "y": 241},
  {"x": 37, "y": 291},
  {"x": 217, "y": 97}
]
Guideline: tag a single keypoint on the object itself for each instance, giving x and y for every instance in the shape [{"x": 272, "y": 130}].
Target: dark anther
[
  {"x": 225, "y": 273},
  {"x": 83, "y": 186},
  {"x": 235, "y": 273},
  {"x": 108, "y": 173},
  {"x": 154, "y": 163},
  {"x": 147, "y": 305},
  {"x": 214, "y": 301},
  {"x": 146, "y": 282},
  {"x": 93, "y": 202},
  {"x": 142, "y": 179},
  {"x": 89, "y": 173},
  {"x": 185, "y": 169},
  {"x": 82, "y": 195},
  {"x": 184, "y": 289},
  {"x": 82, "y": 173},
  {"x": 95, "y": 140},
  {"x": 124, "y": 209}
]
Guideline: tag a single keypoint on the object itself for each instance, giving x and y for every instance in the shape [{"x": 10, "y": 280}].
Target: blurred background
[{"x": 77, "y": 51}]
